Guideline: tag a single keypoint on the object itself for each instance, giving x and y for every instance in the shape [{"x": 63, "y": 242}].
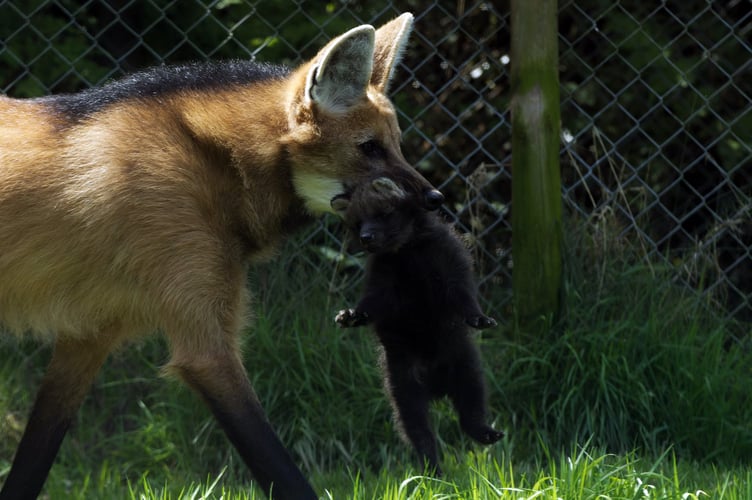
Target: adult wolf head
[{"x": 343, "y": 129}]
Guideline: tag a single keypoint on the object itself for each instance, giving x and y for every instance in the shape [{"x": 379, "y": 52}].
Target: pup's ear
[
  {"x": 387, "y": 188},
  {"x": 391, "y": 40},
  {"x": 340, "y": 203},
  {"x": 339, "y": 74}
]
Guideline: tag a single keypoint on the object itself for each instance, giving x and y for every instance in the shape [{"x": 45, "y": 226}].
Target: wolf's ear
[
  {"x": 391, "y": 40},
  {"x": 340, "y": 203},
  {"x": 340, "y": 73},
  {"x": 387, "y": 187}
]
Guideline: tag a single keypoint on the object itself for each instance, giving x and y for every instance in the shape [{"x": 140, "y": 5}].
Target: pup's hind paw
[
  {"x": 348, "y": 318},
  {"x": 492, "y": 436},
  {"x": 486, "y": 435},
  {"x": 480, "y": 322}
]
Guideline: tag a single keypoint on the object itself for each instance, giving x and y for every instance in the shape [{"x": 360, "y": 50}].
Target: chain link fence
[{"x": 656, "y": 112}]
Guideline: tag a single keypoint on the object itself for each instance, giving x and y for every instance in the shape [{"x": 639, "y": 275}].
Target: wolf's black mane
[{"x": 163, "y": 80}]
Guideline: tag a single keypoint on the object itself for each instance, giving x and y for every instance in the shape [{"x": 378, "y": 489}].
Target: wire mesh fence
[{"x": 656, "y": 111}]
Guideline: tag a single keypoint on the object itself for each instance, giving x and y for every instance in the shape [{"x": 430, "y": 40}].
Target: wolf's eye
[{"x": 373, "y": 149}]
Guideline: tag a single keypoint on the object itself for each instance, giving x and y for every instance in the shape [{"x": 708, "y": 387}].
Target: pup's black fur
[{"x": 421, "y": 297}]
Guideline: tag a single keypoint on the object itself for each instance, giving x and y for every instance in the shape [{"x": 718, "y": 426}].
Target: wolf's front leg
[
  {"x": 465, "y": 301},
  {"x": 468, "y": 307},
  {"x": 348, "y": 318},
  {"x": 218, "y": 376}
]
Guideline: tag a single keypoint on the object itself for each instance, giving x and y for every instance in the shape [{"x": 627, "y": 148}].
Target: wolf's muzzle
[{"x": 433, "y": 199}]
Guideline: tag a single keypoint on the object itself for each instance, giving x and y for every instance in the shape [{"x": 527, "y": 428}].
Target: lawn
[{"x": 641, "y": 390}]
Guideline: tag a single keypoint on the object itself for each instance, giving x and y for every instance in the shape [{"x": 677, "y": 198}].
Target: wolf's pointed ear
[
  {"x": 391, "y": 40},
  {"x": 387, "y": 187},
  {"x": 340, "y": 73}
]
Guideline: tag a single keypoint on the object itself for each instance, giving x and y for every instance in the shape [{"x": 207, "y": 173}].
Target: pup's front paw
[
  {"x": 480, "y": 322},
  {"x": 347, "y": 318}
]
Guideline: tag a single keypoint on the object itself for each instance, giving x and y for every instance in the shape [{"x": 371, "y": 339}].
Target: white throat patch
[{"x": 317, "y": 191}]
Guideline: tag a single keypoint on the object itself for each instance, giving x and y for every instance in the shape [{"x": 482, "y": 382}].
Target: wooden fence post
[{"x": 536, "y": 180}]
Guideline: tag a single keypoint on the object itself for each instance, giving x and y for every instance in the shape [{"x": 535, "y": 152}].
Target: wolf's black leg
[
  {"x": 468, "y": 394},
  {"x": 222, "y": 382},
  {"x": 71, "y": 371},
  {"x": 410, "y": 401}
]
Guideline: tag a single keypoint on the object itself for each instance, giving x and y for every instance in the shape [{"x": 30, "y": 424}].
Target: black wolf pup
[{"x": 421, "y": 297}]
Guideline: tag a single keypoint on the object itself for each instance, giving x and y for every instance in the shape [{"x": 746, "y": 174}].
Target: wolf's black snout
[
  {"x": 433, "y": 199},
  {"x": 366, "y": 237}
]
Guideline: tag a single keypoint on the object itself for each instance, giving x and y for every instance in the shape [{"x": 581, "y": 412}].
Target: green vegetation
[{"x": 641, "y": 391}]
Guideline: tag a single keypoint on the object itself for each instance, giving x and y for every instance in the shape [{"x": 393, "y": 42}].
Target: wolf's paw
[
  {"x": 480, "y": 322},
  {"x": 348, "y": 318},
  {"x": 485, "y": 434}
]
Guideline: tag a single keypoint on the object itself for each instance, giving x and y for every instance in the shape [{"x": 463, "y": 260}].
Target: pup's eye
[{"x": 373, "y": 149}]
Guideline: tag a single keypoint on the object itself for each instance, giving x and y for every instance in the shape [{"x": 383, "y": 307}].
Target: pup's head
[
  {"x": 343, "y": 129},
  {"x": 382, "y": 215}
]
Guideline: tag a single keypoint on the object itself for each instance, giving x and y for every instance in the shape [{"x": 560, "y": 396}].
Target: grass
[{"x": 640, "y": 391}]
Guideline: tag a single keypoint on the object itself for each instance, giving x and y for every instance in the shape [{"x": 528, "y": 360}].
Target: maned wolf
[
  {"x": 421, "y": 297},
  {"x": 138, "y": 206}
]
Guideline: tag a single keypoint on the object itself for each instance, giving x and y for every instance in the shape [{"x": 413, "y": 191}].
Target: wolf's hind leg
[
  {"x": 467, "y": 391},
  {"x": 74, "y": 364},
  {"x": 410, "y": 400}
]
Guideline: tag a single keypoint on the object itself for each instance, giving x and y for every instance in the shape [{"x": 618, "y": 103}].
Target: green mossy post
[{"x": 536, "y": 180}]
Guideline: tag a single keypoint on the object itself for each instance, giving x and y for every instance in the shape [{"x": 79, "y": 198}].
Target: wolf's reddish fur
[{"x": 138, "y": 206}]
